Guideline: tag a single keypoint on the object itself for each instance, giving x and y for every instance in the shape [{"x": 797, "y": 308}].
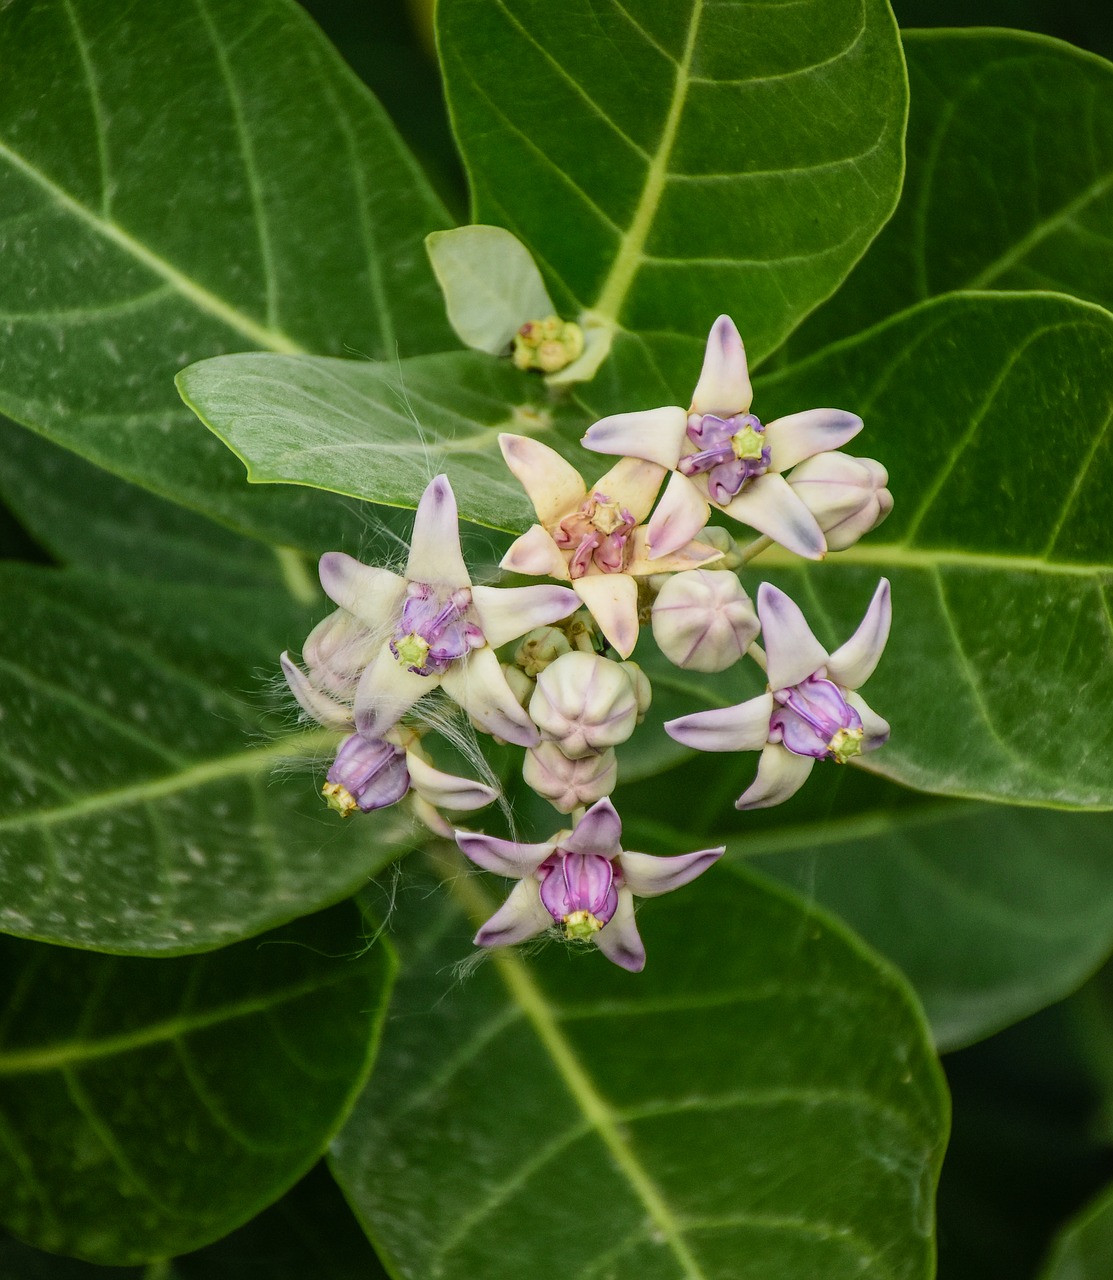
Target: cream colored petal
[
  {"x": 744, "y": 727},
  {"x": 520, "y": 917},
  {"x": 554, "y": 486},
  {"x": 875, "y": 730},
  {"x": 435, "y": 554},
  {"x": 680, "y": 515},
  {"x": 792, "y": 652},
  {"x": 692, "y": 556},
  {"x": 612, "y": 600},
  {"x": 477, "y": 684},
  {"x": 634, "y": 484},
  {"x": 619, "y": 939},
  {"x": 444, "y": 789},
  {"x": 325, "y": 710},
  {"x": 724, "y": 381},
  {"x": 386, "y": 691},
  {"x": 536, "y": 555},
  {"x": 505, "y": 613},
  {"x": 657, "y": 435},
  {"x": 780, "y": 774},
  {"x": 372, "y": 595},
  {"x": 802, "y": 435},
  {"x": 852, "y": 664},
  {"x": 770, "y": 505}
]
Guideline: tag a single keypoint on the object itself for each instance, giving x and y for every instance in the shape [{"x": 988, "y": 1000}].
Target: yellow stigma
[
  {"x": 339, "y": 798},
  {"x": 580, "y": 925},
  {"x": 747, "y": 443},
  {"x": 845, "y": 744},
  {"x": 412, "y": 651}
]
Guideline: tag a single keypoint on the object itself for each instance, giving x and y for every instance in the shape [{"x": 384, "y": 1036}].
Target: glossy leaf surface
[{"x": 1084, "y": 1250}]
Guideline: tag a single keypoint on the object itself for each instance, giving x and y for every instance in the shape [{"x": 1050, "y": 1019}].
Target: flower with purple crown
[
  {"x": 431, "y": 627},
  {"x": 811, "y": 710},
  {"x": 720, "y": 453},
  {"x": 581, "y": 880}
]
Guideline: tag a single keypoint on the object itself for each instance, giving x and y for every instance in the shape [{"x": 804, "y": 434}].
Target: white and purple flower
[
  {"x": 583, "y": 881},
  {"x": 811, "y": 710}
]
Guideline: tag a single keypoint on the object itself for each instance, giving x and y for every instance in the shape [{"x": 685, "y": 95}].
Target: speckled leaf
[
  {"x": 664, "y": 163},
  {"x": 165, "y": 197},
  {"x": 1084, "y": 1249},
  {"x": 760, "y": 1104},
  {"x": 150, "y": 799},
  {"x": 381, "y": 431},
  {"x": 151, "y": 1106},
  {"x": 1009, "y": 182}
]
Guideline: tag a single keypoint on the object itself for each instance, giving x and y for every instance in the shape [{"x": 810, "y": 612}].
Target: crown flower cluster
[{"x": 547, "y": 668}]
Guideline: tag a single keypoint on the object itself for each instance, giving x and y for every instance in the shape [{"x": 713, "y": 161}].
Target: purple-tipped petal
[
  {"x": 372, "y": 595},
  {"x": 780, "y": 774},
  {"x": 680, "y": 515},
  {"x": 791, "y": 650},
  {"x": 478, "y": 685},
  {"x": 536, "y": 555},
  {"x": 633, "y": 484},
  {"x": 724, "y": 381},
  {"x": 612, "y": 600},
  {"x": 875, "y": 730},
  {"x": 435, "y": 554},
  {"x": 619, "y": 939},
  {"x": 654, "y": 434},
  {"x": 852, "y": 664},
  {"x": 801, "y": 435},
  {"x": 554, "y": 486},
  {"x": 647, "y": 876},
  {"x": 520, "y": 918},
  {"x": 503, "y": 857},
  {"x": 386, "y": 691},
  {"x": 744, "y": 727},
  {"x": 505, "y": 613},
  {"x": 770, "y": 505},
  {"x": 598, "y": 831},
  {"x": 444, "y": 789},
  {"x": 319, "y": 706}
]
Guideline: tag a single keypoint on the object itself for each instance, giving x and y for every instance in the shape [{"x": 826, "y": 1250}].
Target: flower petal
[
  {"x": 370, "y": 594},
  {"x": 771, "y": 506},
  {"x": 612, "y": 600},
  {"x": 424, "y": 812},
  {"x": 791, "y": 650},
  {"x": 680, "y": 515},
  {"x": 694, "y": 555},
  {"x": 744, "y": 727},
  {"x": 503, "y": 857},
  {"x": 505, "y": 613},
  {"x": 654, "y": 434},
  {"x": 852, "y": 664},
  {"x": 647, "y": 876},
  {"x": 444, "y": 789},
  {"x": 325, "y": 710},
  {"x": 519, "y": 918},
  {"x": 386, "y": 691},
  {"x": 619, "y": 939},
  {"x": 724, "y": 381},
  {"x": 598, "y": 831},
  {"x": 634, "y": 484},
  {"x": 780, "y": 774},
  {"x": 554, "y": 486},
  {"x": 801, "y": 435},
  {"x": 536, "y": 554},
  {"x": 435, "y": 554},
  {"x": 478, "y": 685},
  {"x": 875, "y": 730}
]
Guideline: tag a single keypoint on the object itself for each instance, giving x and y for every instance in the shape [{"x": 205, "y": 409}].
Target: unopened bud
[
  {"x": 336, "y": 652},
  {"x": 542, "y": 646},
  {"x": 643, "y": 690},
  {"x": 703, "y": 620},
  {"x": 568, "y": 784},
  {"x": 548, "y": 345},
  {"x": 722, "y": 540},
  {"x": 846, "y": 495},
  {"x": 585, "y": 703}
]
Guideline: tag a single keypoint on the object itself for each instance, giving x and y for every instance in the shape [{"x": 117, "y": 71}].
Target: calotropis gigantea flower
[
  {"x": 374, "y": 773},
  {"x": 811, "y": 710},
  {"x": 582, "y": 880},
  {"x": 720, "y": 453},
  {"x": 593, "y": 539},
  {"x": 438, "y": 629}
]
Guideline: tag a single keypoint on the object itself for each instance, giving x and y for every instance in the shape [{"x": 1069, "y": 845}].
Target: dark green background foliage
[{"x": 190, "y": 1010}]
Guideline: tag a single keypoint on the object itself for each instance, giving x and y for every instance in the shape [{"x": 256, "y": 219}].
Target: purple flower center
[
  {"x": 813, "y": 718},
  {"x": 366, "y": 774},
  {"x": 434, "y": 629},
  {"x": 730, "y": 450},
  {"x": 598, "y": 533},
  {"x": 579, "y": 890}
]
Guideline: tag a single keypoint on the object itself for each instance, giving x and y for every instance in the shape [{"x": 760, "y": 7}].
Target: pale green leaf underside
[
  {"x": 150, "y": 1108},
  {"x": 759, "y": 1104},
  {"x": 665, "y": 163},
  {"x": 146, "y": 224}
]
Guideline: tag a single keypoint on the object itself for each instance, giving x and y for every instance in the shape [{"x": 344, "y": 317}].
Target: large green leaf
[
  {"x": 991, "y": 413},
  {"x": 1084, "y": 1250},
  {"x": 194, "y": 179},
  {"x": 1009, "y": 182},
  {"x": 760, "y": 1104},
  {"x": 151, "y": 1106},
  {"x": 665, "y": 162},
  {"x": 150, "y": 800}
]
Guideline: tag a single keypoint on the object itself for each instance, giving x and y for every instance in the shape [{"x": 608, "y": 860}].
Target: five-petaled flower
[
  {"x": 594, "y": 539},
  {"x": 810, "y": 711},
  {"x": 437, "y": 628},
  {"x": 721, "y": 454},
  {"x": 582, "y": 880}
]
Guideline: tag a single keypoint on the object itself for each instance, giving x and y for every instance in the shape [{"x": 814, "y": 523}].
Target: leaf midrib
[{"x": 901, "y": 555}]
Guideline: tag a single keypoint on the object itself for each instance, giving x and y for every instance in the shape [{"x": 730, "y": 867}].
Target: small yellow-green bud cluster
[{"x": 549, "y": 345}]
